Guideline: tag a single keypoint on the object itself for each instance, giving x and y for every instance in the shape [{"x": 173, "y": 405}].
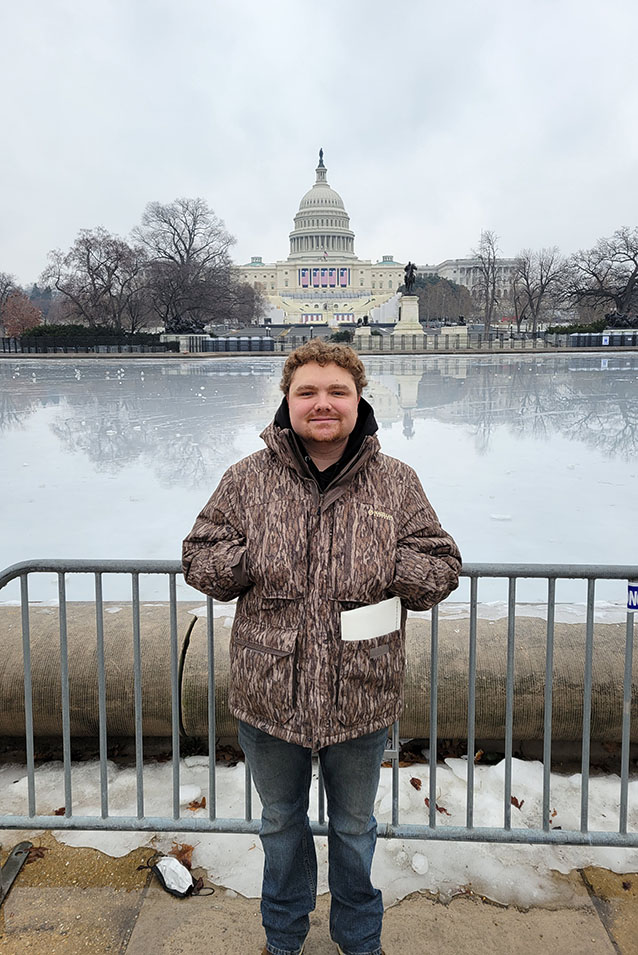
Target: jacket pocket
[
  {"x": 262, "y": 661},
  {"x": 370, "y": 678}
]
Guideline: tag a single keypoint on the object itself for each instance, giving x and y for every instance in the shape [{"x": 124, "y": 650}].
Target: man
[{"x": 306, "y": 533}]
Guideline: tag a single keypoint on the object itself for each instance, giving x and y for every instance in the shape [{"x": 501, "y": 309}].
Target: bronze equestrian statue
[{"x": 410, "y": 277}]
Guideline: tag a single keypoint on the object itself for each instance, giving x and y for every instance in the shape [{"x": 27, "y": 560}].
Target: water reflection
[
  {"x": 181, "y": 419},
  {"x": 589, "y": 399},
  {"x": 525, "y": 458}
]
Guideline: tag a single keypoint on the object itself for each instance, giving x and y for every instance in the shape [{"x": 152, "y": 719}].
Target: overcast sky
[{"x": 436, "y": 120}]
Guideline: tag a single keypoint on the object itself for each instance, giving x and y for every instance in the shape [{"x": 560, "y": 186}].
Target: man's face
[{"x": 322, "y": 402}]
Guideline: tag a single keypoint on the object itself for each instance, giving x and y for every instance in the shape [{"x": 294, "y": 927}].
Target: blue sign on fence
[{"x": 632, "y": 595}]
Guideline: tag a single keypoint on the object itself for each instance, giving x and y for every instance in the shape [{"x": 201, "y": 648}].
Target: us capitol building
[{"x": 323, "y": 282}]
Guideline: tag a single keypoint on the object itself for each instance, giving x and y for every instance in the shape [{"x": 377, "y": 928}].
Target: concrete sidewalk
[{"x": 71, "y": 901}]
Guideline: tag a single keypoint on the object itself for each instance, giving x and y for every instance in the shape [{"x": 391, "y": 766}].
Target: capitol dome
[
  {"x": 321, "y": 195},
  {"x": 322, "y": 225}
]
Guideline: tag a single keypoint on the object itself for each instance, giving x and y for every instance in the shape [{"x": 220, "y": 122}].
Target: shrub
[
  {"x": 342, "y": 336},
  {"x": 599, "y": 326},
  {"x": 85, "y": 335}
]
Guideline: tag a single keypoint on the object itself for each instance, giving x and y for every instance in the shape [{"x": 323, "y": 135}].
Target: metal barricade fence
[{"x": 433, "y": 830}]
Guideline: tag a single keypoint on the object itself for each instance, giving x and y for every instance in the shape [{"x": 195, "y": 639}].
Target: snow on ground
[{"x": 509, "y": 874}]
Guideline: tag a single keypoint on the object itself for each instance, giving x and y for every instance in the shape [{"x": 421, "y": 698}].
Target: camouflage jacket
[{"x": 296, "y": 557}]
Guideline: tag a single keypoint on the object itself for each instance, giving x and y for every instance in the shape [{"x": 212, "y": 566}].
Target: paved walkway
[{"x": 73, "y": 901}]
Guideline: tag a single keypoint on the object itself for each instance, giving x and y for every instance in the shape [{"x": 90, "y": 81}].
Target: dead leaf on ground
[
  {"x": 36, "y": 852},
  {"x": 416, "y": 782},
  {"x": 451, "y": 747},
  {"x": 197, "y": 804},
  {"x": 229, "y": 755},
  {"x": 183, "y": 853},
  {"x": 515, "y": 802},
  {"x": 438, "y": 808},
  {"x": 60, "y": 811}
]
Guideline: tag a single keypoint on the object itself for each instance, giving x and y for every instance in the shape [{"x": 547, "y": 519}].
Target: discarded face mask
[{"x": 175, "y": 878}]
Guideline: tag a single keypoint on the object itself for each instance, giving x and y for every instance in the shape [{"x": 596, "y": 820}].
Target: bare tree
[
  {"x": 7, "y": 286},
  {"x": 519, "y": 301},
  {"x": 103, "y": 278},
  {"x": 189, "y": 275},
  {"x": 487, "y": 255},
  {"x": 607, "y": 274},
  {"x": 441, "y": 299},
  {"x": 538, "y": 282},
  {"x": 244, "y": 304}
]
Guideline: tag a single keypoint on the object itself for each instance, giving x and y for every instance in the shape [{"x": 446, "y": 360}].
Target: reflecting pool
[{"x": 524, "y": 458}]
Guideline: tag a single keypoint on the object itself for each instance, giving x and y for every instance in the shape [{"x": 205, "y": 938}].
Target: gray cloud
[{"x": 435, "y": 121}]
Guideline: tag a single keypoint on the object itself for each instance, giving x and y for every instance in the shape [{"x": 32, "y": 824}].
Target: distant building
[
  {"x": 322, "y": 281},
  {"x": 466, "y": 272}
]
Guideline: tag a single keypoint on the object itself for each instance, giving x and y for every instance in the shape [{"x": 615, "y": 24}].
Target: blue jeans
[{"x": 282, "y": 773}]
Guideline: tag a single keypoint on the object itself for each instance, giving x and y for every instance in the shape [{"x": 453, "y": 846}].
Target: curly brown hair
[{"x": 324, "y": 353}]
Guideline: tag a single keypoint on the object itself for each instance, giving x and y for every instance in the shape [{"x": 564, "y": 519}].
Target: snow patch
[{"x": 509, "y": 874}]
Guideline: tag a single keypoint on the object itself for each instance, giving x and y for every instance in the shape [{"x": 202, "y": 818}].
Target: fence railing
[
  {"x": 212, "y": 822},
  {"x": 443, "y": 340}
]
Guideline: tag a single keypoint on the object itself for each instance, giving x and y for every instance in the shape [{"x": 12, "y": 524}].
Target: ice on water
[{"x": 525, "y": 458}]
